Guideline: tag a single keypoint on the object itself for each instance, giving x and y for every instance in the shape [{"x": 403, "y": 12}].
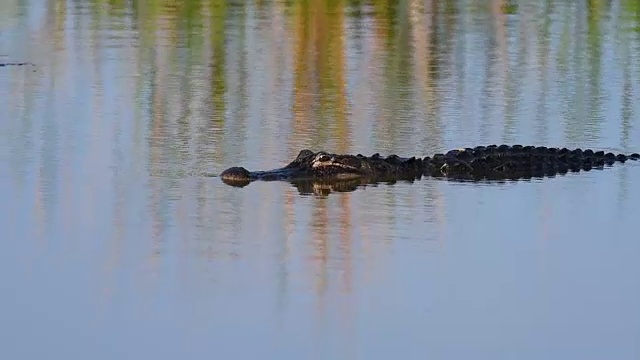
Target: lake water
[{"x": 118, "y": 243}]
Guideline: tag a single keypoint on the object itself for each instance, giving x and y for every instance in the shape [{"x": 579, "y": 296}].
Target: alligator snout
[{"x": 236, "y": 175}]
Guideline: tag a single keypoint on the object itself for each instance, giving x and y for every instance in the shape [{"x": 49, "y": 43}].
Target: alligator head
[{"x": 309, "y": 165}]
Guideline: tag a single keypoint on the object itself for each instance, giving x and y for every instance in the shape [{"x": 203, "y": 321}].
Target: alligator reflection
[{"x": 324, "y": 188}]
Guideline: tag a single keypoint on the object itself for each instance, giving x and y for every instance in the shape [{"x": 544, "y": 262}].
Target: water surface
[{"x": 118, "y": 243}]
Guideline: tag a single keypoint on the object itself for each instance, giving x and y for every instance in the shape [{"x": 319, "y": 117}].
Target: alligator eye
[{"x": 324, "y": 158}]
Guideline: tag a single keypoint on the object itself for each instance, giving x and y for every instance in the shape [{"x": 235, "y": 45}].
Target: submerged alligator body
[{"x": 504, "y": 162}]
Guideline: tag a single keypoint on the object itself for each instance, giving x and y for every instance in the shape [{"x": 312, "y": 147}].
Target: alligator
[{"x": 492, "y": 162}]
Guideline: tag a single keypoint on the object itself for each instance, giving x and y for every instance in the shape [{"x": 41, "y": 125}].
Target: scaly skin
[{"x": 482, "y": 162}]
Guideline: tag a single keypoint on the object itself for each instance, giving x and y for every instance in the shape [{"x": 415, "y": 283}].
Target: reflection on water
[
  {"x": 323, "y": 188},
  {"x": 118, "y": 246}
]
